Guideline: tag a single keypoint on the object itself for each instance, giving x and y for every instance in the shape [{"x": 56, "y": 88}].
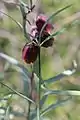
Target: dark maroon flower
[
  {"x": 30, "y": 52},
  {"x": 41, "y": 20},
  {"x": 47, "y": 43},
  {"x": 35, "y": 31}
]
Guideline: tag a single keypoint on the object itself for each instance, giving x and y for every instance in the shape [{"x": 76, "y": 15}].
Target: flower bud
[{"x": 30, "y": 52}]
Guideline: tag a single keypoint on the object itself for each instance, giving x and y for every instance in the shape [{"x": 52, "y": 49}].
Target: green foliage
[{"x": 36, "y": 90}]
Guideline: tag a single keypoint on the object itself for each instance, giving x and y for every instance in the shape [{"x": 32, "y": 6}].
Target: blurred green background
[{"x": 54, "y": 60}]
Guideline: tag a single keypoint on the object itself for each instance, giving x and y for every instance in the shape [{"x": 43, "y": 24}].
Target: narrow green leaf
[
  {"x": 53, "y": 15},
  {"x": 42, "y": 101},
  {"x": 18, "y": 23},
  {"x": 22, "y": 70},
  {"x": 17, "y": 92},
  {"x": 60, "y": 76},
  {"x": 52, "y": 35},
  {"x": 53, "y": 106},
  {"x": 54, "y": 79},
  {"x": 61, "y": 92},
  {"x": 9, "y": 59},
  {"x": 13, "y": 61}
]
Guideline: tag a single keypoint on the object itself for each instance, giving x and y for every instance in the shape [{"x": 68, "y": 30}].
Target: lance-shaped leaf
[
  {"x": 17, "y": 92},
  {"x": 42, "y": 101},
  {"x": 63, "y": 74},
  {"x": 54, "y": 34},
  {"x": 53, "y": 15},
  {"x": 67, "y": 21},
  {"x": 58, "y": 92},
  {"x": 18, "y": 23},
  {"x": 61, "y": 92},
  {"x": 53, "y": 106}
]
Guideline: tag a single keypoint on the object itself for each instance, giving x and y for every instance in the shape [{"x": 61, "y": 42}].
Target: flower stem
[
  {"x": 39, "y": 87},
  {"x": 32, "y": 84}
]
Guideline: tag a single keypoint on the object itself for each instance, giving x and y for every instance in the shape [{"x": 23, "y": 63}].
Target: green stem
[
  {"x": 32, "y": 84},
  {"x": 39, "y": 75},
  {"x": 39, "y": 88}
]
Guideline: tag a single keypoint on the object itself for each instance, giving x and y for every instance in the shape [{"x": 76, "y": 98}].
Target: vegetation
[{"x": 49, "y": 87}]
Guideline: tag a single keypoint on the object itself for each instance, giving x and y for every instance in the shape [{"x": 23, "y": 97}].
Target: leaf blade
[
  {"x": 18, "y": 93},
  {"x": 13, "y": 61},
  {"x": 61, "y": 75},
  {"x": 61, "y": 92},
  {"x": 42, "y": 101},
  {"x": 52, "y": 106}
]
